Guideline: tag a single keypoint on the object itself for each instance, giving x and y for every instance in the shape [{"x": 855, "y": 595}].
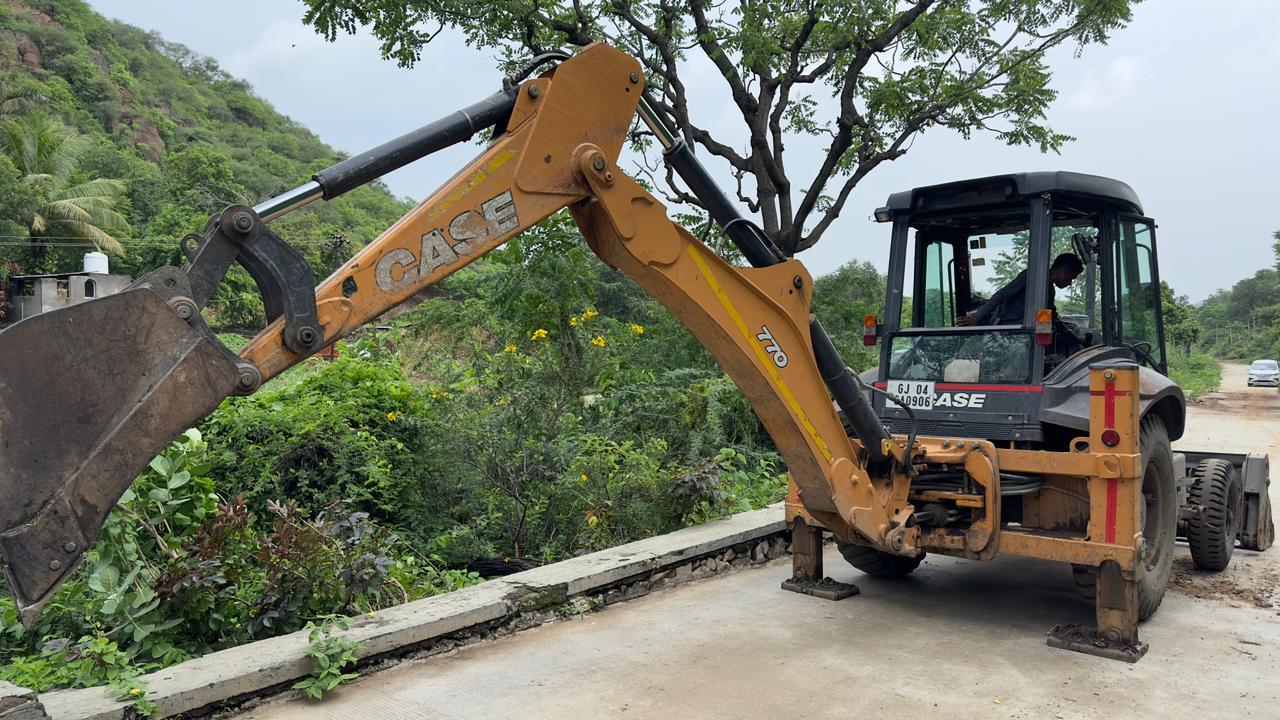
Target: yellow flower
[
  {"x": 509, "y": 348},
  {"x": 539, "y": 334},
  {"x": 393, "y": 416},
  {"x": 636, "y": 328},
  {"x": 573, "y": 321},
  {"x": 598, "y": 341},
  {"x": 589, "y": 314},
  {"x": 583, "y": 478},
  {"x": 135, "y": 692}
]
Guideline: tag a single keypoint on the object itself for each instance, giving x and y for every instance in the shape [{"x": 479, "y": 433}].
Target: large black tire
[
  {"x": 1159, "y": 522},
  {"x": 879, "y": 564},
  {"x": 1217, "y": 489},
  {"x": 1160, "y": 516},
  {"x": 1086, "y": 578}
]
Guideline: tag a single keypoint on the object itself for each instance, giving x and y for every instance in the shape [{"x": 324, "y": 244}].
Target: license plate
[{"x": 915, "y": 394}]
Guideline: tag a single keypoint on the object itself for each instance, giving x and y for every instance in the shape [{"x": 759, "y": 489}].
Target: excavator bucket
[{"x": 89, "y": 394}]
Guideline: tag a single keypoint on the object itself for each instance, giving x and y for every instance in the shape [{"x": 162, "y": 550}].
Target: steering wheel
[{"x": 1144, "y": 350}]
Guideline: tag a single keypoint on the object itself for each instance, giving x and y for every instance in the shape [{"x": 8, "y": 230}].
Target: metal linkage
[{"x": 282, "y": 275}]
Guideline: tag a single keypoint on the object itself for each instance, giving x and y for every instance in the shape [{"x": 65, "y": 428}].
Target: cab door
[{"x": 1133, "y": 274}]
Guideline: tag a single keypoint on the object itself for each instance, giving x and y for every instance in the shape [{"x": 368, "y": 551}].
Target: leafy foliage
[
  {"x": 867, "y": 74},
  {"x": 1196, "y": 373},
  {"x": 46, "y": 155},
  {"x": 179, "y": 571},
  {"x": 1243, "y": 323},
  {"x": 114, "y": 138},
  {"x": 332, "y": 654}
]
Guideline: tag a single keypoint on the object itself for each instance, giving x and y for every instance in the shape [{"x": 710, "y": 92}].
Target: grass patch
[{"x": 1197, "y": 373}]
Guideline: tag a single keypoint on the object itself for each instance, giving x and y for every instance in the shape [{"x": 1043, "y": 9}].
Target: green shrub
[
  {"x": 352, "y": 431},
  {"x": 179, "y": 571},
  {"x": 1196, "y": 374}
]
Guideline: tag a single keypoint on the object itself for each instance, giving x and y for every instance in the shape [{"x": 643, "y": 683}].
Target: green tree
[
  {"x": 1010, "y": 262},
  {"x": 16, "y": 99},
  {"x": 47, "y": 154},
  {"x": 893, "y": 70},
  {"x": 1180, "y": 327},
  {"x": 842, "y": 299}
]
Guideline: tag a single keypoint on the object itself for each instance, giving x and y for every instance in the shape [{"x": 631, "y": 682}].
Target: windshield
[
  {"x": 994, "y": 357},
  {"x": 955, "y": 263},
  {"x": 1264, "y": 365}
]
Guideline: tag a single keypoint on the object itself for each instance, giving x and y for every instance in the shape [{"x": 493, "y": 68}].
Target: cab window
[
  {"x": 955, "y": 263},
  {"x": 1137, "y": 293}
]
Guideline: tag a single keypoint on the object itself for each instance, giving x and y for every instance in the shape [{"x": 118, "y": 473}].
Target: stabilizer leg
[
  {"x": 806, "y": 566},
  {"x": 1116, "y": 634},
  {"x": 1115, "y": 517}
]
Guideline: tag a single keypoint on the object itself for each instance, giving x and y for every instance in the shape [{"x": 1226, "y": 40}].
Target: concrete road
[{"x": 954, "y": 640}]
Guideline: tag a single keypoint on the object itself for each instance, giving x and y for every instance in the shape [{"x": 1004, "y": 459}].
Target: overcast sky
[{"x": 1182, "y": 105}]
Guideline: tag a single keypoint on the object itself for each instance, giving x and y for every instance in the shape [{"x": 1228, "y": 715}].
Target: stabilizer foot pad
[
  {"x": 1085, "y": 639},
  {"x": 826, "y": 588}
]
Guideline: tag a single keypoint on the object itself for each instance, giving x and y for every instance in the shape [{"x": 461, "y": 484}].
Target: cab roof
[{"x": 998, "y": 189}]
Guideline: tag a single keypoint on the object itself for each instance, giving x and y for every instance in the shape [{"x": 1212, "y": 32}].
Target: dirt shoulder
[{"x": 1236, "y": 418}]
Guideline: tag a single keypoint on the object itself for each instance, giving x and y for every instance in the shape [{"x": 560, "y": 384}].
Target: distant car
[{"x": 1264, "y": 372}]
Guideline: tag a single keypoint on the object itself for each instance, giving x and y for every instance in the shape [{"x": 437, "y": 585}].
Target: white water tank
[{"x": 95, "y": 262}]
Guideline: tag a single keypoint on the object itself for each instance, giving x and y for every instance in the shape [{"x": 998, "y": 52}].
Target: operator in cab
[{"x": 1007, "y": 305}]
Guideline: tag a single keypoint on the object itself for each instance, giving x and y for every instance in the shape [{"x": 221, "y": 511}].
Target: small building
[{"x": 34, "y": 294}]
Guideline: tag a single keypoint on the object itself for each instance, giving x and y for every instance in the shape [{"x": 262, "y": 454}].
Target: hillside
[{"x": 183, "y": 136}]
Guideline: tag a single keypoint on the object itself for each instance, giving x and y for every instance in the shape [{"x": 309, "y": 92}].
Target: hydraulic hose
[{"x": 845, "y": 387}]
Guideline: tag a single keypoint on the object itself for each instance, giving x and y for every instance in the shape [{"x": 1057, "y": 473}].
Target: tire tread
[{"x": 1212, "y": 542}]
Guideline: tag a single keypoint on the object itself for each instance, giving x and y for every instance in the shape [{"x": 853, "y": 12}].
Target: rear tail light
[
  {"x": 1044, "y": 326},
  {"x": 869, "y": 329}
]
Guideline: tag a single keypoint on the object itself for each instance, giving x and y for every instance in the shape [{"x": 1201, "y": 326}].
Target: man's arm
[{"x": 984, "y": 312}]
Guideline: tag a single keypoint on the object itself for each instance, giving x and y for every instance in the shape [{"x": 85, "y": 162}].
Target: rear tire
[
  {"x": 877, "y": 563},
  {"x": 1160, "y": 515},
  {"x": 1212, "y": 535},
  {"x": 1086, "y": 578},
  {"x": 1159, "y": 518}
]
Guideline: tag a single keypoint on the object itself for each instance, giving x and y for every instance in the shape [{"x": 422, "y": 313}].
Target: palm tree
[
  {"x": 14, "y": 101},
  {"x": 46, "y": 154}
]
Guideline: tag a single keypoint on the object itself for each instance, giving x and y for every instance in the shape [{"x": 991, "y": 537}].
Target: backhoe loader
[{"x": 90, "y": 393}]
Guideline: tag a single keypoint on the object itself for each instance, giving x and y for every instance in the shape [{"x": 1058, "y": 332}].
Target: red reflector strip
[
  {"x": 977, "y": 387},
  {"x": 1112, "y": 493}
]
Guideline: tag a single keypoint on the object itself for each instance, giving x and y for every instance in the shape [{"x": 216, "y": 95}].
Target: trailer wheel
[
  {"x": 1159, "y": 515},
  {"x": 1212, "y": 535},
  {"x": 877, "y": 563}
]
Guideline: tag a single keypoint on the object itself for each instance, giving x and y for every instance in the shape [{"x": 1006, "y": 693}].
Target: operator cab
[{"x": 955, "y": 246}]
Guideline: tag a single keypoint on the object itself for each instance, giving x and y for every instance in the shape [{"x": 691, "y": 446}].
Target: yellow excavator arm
[
  {"x": 561, "y": 135},
  {"x": 560, "y": 150}
]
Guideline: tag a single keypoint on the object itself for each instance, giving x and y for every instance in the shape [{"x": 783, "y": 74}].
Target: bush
[
  {"x": 352, "y": 431},
  {"x": 1197, "y": 373},
  {"x": 180, "y": 571}
]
